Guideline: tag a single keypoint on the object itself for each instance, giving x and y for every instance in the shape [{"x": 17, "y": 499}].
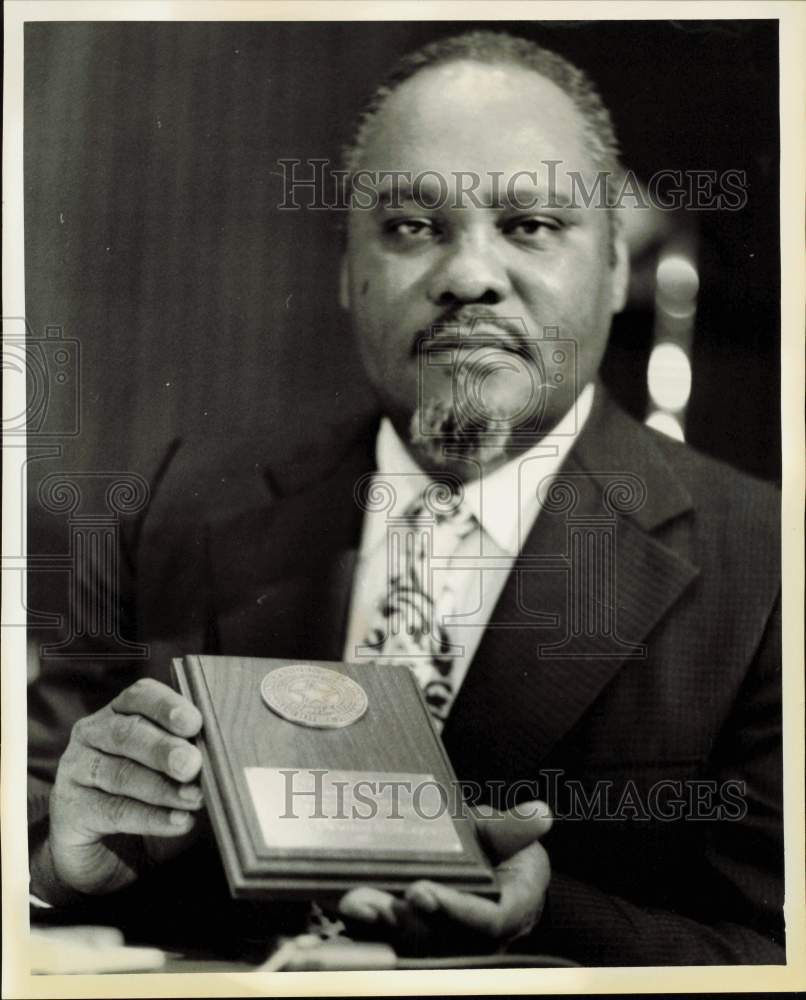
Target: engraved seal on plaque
[{"x": 314, "y": 696}]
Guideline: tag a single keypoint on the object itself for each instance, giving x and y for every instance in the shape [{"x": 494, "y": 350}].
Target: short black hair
[{"x": 497, "y": 48}]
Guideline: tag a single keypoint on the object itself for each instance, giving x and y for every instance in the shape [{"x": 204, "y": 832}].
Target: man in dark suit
[{"x": 625, "y": 665}]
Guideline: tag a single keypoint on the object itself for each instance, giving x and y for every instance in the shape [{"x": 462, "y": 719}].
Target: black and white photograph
[{"x": 392, "y": 559}]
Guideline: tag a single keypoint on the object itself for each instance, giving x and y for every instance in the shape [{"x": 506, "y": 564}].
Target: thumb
[{"x": 505, "y": 833}]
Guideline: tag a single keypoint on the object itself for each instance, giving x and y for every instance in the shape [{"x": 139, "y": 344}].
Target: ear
[
  {"x": 620, "y": 278},
  {"x": 344, "y": 285}
]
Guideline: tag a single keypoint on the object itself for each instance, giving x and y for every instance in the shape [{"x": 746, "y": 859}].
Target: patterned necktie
[{"x": 408, "y": 624}]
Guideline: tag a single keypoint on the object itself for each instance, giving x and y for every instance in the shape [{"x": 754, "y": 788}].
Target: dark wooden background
[{"x": 153, "y": 236}]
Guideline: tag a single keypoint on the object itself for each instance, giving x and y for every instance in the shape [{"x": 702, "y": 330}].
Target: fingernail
[
  {"x": 190, "y": 793},
  {"x": 424, "y": 898},
  {"x": 389, "y": 915},
  {"x": 178, "y": 719},
  {"x": 179, "y": 818},
  {"x": 179, "y": 760}
]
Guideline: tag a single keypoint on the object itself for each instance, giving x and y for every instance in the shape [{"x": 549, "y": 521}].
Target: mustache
[{"x": 509, "y": 334}]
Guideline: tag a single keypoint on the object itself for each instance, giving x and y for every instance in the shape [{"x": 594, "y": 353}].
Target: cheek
[
  {"x": 383, "y": 304},
  {"x": 369, "y": 293},
  {"x": 570, "y": 294},
  {"x": 386, "y": 277}
]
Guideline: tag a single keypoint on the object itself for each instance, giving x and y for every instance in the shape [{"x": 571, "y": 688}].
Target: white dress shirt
[{"x": 505, "y": 504}]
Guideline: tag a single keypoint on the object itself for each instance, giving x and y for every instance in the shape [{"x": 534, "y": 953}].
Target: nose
[{"x": 468, "y": 271}]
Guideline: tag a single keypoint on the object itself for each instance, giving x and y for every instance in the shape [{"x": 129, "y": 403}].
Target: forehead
[{"x": 471, "y": 116}]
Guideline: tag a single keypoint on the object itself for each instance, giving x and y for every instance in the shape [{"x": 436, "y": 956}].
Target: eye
[
  {"x": 532, "y": 229},
  {"x": 411, "y": 230}
]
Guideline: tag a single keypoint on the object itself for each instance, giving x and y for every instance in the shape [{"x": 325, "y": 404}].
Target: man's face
[{"x": 480, "y": 268}]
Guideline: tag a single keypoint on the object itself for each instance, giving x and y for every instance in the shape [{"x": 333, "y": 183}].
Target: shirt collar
[{"x": 505, "y": 502}]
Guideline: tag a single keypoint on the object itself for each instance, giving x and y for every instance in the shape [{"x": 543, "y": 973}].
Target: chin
[{"x": 444, "y": 436}]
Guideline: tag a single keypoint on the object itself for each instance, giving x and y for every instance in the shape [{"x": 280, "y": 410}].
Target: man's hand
[
  {"x": 128, "y": 770},
  {"x": 511, "y": 840}
]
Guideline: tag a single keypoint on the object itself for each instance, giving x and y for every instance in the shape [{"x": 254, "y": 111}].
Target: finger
[
  {"x": 505, "y": 833},
  {"x": 422, "y": 897},
  {"x": 140, "y": 740},
  {"x": 523, "y": 881},
  {"x": 123, "y": 776},
  {"x": 369, "y": 905},
  {"x": 105, "y": 814},
  {"x": 156, "y": 701},
  {"x": 474, "y": 912},
  {"x": 90, "y": 935}
]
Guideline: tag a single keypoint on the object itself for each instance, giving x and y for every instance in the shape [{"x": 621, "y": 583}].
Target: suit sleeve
[
  {"x": 737, "y": 915},
  {"x": 74, "y": 678}
]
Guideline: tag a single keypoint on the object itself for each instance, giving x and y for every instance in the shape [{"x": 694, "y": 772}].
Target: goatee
[{"x": 443, "y": 435}]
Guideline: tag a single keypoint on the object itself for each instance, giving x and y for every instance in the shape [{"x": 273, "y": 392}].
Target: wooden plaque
[{"x": 304, "y": 811}]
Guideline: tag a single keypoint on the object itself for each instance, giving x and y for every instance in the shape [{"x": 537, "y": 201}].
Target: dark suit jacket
[{"x": 658, "y": 746}]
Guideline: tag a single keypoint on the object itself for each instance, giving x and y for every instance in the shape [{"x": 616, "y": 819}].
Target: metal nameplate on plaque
[{"x": 328, "y": 810}]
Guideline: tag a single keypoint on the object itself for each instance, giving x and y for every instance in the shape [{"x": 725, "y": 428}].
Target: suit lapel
[
  {"x": 593, "y": 563},
  {"x": 283, "y": 570}
]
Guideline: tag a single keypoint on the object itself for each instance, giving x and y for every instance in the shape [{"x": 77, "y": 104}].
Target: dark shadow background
[{"x": 153, "y": 236}]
